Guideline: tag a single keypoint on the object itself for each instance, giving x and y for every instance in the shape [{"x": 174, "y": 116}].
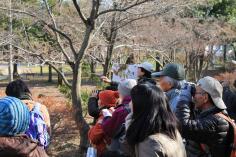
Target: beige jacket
[
  {"x": 43, "y": 108},
  {"x": 160, "y": 145}
]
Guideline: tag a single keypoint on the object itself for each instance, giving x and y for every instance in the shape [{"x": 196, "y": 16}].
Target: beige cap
[{"x": 214, "y": 89}]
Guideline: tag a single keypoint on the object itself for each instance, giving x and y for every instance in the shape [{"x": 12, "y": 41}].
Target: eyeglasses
[{"x": 199, "y": 93}]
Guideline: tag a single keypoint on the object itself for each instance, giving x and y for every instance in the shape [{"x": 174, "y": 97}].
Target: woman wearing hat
[
  {"x": 14, "y": 120},
  {"x": 107, "y": 100}
]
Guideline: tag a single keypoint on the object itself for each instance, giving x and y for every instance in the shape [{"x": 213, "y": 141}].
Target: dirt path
[{"x": 65, "y": 135}]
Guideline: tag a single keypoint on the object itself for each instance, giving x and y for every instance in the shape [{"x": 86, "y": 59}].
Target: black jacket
[
  {"x": 206, "y": 128},
  {"x": 229, "y": 98}
]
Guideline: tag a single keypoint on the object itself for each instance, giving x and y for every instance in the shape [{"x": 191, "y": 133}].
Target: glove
[
  {"x": 106, "y": 113},
  {"x": 185, "y": 93}
]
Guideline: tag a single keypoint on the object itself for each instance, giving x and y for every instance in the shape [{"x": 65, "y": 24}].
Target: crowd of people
[{"x": 161, "y": 114}]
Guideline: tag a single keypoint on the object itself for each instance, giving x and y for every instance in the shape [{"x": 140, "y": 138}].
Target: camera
[{"x": 193, "y": 89}]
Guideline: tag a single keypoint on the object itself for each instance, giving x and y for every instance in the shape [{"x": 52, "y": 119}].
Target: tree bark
[
  {"x": 77, "y": 108},
  {"x": 49, "y": 73},
  {"x": 59, "y": 78},
  {"x": 41, "y": 70},
  {"x": 110, "y": 46},
  {"x": 15, "y": 71},
  {"x": 225, "y": 52}
]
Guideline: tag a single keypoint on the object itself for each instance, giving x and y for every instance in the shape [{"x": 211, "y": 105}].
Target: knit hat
[
  {"x": 14, "y": 116},
  {"x": 125, "y": 86},
  {"x": 108, "y": 98}
]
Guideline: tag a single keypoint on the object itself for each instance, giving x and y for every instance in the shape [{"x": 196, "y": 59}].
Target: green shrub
[{"x": 85, "y": 94}]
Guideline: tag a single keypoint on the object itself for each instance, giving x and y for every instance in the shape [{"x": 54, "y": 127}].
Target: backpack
[
  {"x": 233, "y": 144},
  {"x": 118, "y": 140},
  {"x": 38, "y": 128},
  {"x": 232, "y": 123}
]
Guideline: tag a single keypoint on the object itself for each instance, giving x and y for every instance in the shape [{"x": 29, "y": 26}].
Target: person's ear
[{"x": 206, "y": 98}]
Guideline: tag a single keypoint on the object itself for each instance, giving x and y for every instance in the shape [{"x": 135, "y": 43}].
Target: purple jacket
[{"x": 111, "y": 124}]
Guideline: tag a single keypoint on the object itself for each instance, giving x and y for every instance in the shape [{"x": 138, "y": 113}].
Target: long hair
[
  {"x": 18, "y": 89},
  {"x": 151, "y": 114}
]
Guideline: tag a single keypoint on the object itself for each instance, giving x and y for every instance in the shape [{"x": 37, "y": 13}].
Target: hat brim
[
  {"x": 219, "y": 103},
  {"x": 157, "y": 74}
]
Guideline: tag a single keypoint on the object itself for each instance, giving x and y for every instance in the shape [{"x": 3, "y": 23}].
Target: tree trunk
[
  {"x": 93, "y": 67},
  {"x": 225, "y": 52},
  {"x": 41, "y": 70},
  {"x": 158, "y": 66},
  {"x": 15, "y": 71},
  {"x": 59, "y": 78},
  {"x": 77, "y": 108},
  {"x": 110, "y": 46},
  {"x": 49, "y": 73}
]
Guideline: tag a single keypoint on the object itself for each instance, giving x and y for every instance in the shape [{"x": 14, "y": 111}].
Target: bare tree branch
[
  {"x": 123, "y": 9},
  {"x": 77, "y": 7},
  {"x": 56, "y": 31},
  {"x": 40, "y": 57}
]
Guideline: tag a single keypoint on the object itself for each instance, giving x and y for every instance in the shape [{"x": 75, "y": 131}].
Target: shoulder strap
[
  {"x": 37, "y": 106},
  {"x": 231, "y": 122}
]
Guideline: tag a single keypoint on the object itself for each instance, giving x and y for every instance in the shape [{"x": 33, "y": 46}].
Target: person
[
  {"x": 206, "y": 127},
  {"x": 144, "y": 72},
  {"x": 107, "y": 100},
  {"x": 39, "y": 128},
  {"x": 93, "y": 108},
  {"x": 152, "y": 126},
  {"x": 113, "y": 122},
  {"x": 229, "y": 98},
  {"x": 20, "y": 90},
  {"x": 113, "y": 125},
  {"x": 15, "y": 119},
  {"x": 171, "y": 80}
]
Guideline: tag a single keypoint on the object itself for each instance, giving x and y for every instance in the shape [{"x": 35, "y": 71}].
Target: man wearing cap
[
  {"x": 207, "y": 129},
  {"x": 171, "y": 79}
]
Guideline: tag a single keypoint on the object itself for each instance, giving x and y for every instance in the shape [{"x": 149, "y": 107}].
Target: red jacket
[{"x": 97, "y": 137}]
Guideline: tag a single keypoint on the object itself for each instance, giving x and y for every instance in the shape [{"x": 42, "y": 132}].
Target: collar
[
  {"x": 126, "y": 100},
  {"x": 172, "y": 93},
  {"x": 209, "y": 111}
]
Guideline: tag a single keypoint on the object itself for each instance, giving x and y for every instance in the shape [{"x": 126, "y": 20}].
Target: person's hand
[
  {"x": 112, "y": 109},
  {"x": 94, "y": 94},
  {"x": 106, "y": 113},
  {"x": 105, "y": 79},
  {"x": 185, "y": 93}
]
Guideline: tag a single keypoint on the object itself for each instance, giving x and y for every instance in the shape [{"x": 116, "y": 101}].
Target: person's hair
[
  {"x": 17, "y": 88},
  {"x": 174, "y": 83},
  {"x": 209, "y": 98},
  {"x": 151, "y": 114},
  {"x": 146, "y": 81},
  {"x": 147, "y": 74}
]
